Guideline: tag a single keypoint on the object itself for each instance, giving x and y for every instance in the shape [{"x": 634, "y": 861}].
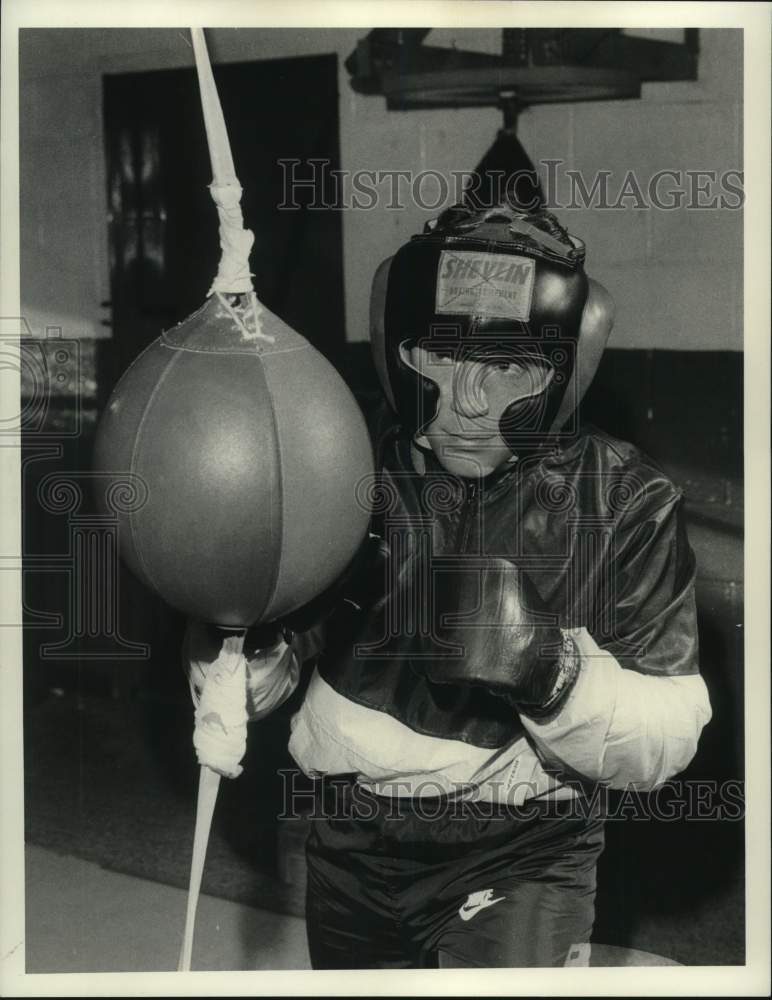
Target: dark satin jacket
[{"x": 594, "y": 523}]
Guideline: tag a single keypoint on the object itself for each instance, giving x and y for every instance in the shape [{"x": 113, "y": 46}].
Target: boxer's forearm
[{"x": 622, "y": 727}]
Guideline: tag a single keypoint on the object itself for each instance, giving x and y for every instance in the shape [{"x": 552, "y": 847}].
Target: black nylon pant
[{"x": 394, "y": 883}]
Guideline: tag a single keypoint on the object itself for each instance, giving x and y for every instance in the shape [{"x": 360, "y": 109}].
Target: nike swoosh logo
[{"x": 467, "y": 911}]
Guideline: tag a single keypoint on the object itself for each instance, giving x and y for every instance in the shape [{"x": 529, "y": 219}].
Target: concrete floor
[{"x": 83, "y": 918}]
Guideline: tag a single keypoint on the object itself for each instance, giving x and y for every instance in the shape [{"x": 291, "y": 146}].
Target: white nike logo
[{"x": 477, "y": 901}]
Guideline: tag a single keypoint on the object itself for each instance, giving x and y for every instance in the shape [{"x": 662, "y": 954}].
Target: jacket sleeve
[{"x": 639, "y": 704}]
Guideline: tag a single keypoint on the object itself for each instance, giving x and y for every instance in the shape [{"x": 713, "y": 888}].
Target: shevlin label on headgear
[{"x": 485, "y": 284}]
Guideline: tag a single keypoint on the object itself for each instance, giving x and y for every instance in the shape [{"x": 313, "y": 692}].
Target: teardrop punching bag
[
  {"x": 247, "y": 442},
  {"x": 250, "y": 450}
]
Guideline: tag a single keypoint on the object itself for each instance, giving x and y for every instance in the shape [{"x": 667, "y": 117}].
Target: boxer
[{"x": 520, "y": 630}]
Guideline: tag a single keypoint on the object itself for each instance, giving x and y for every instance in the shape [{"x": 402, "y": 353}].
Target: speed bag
[{"x": 246, "y": 449}]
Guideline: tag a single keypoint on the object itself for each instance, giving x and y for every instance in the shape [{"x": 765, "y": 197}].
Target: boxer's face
[{"x": 473, "y": 394}]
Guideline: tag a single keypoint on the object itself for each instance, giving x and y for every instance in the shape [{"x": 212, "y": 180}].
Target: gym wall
[{"x": 676, "y": 275}]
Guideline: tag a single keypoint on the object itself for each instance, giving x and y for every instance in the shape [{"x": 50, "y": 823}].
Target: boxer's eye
[
  {"x": 440, "y": 357},
  {"x": 507, "y": 367}
]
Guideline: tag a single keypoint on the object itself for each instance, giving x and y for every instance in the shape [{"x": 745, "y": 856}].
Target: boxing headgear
[{"x": 498, "y": 281}]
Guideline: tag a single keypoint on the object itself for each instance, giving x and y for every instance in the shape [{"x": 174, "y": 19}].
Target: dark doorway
[{"x": 163, "y": 236}]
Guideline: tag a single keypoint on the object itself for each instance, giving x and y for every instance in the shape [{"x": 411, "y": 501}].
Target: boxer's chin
[{"x": 467, "y": 463}]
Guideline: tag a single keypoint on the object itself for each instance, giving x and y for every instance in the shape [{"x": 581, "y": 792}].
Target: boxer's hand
[
  {"x": 492, "y": 629},
  {"x": 203, "y": 652}
]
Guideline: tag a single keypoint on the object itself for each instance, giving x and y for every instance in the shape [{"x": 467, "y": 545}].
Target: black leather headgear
[{"x": 497, "y": 280}]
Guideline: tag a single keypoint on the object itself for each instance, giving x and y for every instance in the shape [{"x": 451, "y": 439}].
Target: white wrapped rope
[
  {"x": 220, "y": 740},
  {"x": 233, "y": 274},
  {"x": 220, "y": 736},
  {"x": 208, "y": 785}
]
